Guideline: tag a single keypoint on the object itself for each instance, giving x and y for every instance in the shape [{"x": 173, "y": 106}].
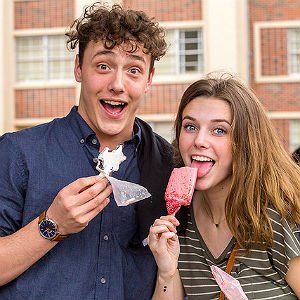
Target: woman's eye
[
  {"x": 189, "y": 127},
  {"x": 219, "y": 131}
]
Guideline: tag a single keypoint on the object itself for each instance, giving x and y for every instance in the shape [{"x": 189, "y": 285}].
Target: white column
[
  {"x": 226, "y": 36},
  {"x": 7, "y": 67}
]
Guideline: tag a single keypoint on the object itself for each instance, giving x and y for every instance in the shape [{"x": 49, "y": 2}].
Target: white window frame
[
  {"x": 44, "y": 83},
  {"x": 258, "y": 27},
  {"x": 181, "y": 77},
  {"x": 294, "y": 134},
  {"x": 293, "y": 53}
]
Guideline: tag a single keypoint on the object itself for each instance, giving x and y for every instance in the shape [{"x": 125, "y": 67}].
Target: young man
[{"x": 61, "y": 237}]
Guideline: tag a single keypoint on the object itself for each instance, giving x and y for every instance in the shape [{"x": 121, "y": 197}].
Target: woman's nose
[{"x": 202, "y": 140}]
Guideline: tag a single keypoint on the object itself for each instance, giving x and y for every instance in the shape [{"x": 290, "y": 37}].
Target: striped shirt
[{"x": 260, "y": 272}]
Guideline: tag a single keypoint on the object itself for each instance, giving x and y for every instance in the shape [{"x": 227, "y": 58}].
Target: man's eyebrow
[
  {"x": 103, "y": 52},
  {"x": 132, "y": 56}
]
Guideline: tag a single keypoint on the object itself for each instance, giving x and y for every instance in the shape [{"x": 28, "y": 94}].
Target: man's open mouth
[{"x": 113, "y": 107}]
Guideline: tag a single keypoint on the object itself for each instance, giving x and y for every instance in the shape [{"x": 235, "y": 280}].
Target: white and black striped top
[{"x": 260, "y": 272}]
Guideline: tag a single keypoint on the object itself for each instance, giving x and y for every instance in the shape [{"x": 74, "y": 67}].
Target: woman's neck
[{"x": 210, "y": 206}]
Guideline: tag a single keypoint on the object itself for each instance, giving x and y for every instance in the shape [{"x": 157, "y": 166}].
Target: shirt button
[
  {"x": 81, "y": 141},
  {"x": 103, "y": 280},
  {"x": 105, "y": 237},
  {"x": 95, "y": 160},
  {"x": 94, "y": 141}
]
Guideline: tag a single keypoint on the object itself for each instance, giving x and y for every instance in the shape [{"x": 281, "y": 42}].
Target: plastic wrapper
[
  {"x": 126, "y": 193},
  {"x": 229, "y": 285}
]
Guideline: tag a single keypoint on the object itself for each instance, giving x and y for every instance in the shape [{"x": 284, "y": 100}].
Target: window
[
  {"x": 294, "y": 50},
  {"x": 164, "y": 128},
  {"x": 294, "y": 134},
  {"x": 40, "y": 58},
  {"x": 185, "y": 53}
]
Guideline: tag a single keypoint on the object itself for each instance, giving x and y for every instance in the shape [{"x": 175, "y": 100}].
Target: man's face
[{"x": 113, "y": 83}]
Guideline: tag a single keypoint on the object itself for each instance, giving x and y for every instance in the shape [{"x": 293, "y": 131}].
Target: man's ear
[
  {"x": 77, "y": 69},
  {"x": 149, "y": 82}
]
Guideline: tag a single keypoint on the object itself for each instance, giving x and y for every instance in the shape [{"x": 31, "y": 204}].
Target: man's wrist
[{"x": 48, "y": 229}]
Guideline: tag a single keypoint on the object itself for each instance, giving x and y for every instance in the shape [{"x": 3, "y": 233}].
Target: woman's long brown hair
[{"x": 264, "y": 174}]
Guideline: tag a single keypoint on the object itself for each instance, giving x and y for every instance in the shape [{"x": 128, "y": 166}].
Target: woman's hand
[
  {"x": 292, "y": 276},
  {"x": 164, "y": 244}
]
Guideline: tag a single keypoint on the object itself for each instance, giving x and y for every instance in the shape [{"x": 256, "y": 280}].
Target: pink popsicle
[{"x": 180, "y": 188}]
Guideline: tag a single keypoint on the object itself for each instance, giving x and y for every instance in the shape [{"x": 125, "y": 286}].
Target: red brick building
[{"x": 258, "y": 40}]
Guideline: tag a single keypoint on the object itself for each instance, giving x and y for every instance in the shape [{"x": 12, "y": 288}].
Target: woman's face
[{"x": 205, "y": 141}]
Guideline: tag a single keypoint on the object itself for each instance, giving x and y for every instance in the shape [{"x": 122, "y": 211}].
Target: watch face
[{"x": 48, "y": 229}]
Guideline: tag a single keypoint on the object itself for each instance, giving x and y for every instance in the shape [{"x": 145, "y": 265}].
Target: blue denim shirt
[{"x": 97, "y": 263}]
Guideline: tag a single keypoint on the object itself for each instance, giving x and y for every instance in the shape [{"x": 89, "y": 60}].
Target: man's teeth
[
  {"x": 113, "y": 103},
  {"x": 201, "y": 158}
]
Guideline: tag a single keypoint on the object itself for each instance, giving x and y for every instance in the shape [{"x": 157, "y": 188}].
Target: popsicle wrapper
[
  {"x": 229, "y": 285},
  {"x": 126, "y": 193},
  {"x": 180, "y": 188}
]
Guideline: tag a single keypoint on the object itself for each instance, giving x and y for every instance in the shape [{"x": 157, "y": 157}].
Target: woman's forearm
[{"x": 168, "y": 289}]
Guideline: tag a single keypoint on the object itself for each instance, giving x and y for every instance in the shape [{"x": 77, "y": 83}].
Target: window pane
[
  {"x": 185, "y": 53},
  {"x": 191, "y": 49},
  {"x": 60, "y": 59},
  {"x": 28, "y": 71},
  {"x": 294, "y": 51},
  {"x": 43, "y": 58},
  {"x": 294, "y": 134},
  {"x": 168, "y": 64}
]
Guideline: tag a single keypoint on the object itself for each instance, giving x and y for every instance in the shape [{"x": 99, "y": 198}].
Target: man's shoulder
[{"x": 34, "y": 134}]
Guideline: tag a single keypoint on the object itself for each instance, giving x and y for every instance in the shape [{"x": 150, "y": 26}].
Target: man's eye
[
  {"x": 135, "y": 71},
  {"x": 102, "y": 67}
]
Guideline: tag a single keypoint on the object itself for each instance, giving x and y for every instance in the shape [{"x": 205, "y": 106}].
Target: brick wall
[
  {"x": 168, "y": 10},
  {"x": 39, "y": 14},
  {"x": 162, "y": 98},
  {"x": 43, "y": 13},
  {"x": 282, "y": 128},
  {"x": 274, "y": 96},
  {"x": 43, "y": 103}
]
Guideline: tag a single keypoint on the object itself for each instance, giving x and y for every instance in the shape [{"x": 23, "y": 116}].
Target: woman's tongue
[{"x": 203, "y": 167}]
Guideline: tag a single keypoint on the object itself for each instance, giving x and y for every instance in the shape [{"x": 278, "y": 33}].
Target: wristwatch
[{"x": 48, "y": 228}]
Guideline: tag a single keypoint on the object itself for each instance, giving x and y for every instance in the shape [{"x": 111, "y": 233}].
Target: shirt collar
[{"x": 84, "y": 132}]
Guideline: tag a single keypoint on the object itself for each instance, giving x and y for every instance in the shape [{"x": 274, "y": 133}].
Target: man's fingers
[
  {"x": 82, "y": 184},
  {"x": 100, "y": 187}
]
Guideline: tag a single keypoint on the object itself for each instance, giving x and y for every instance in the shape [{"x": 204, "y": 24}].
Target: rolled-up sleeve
[{"x": 12, "y": 185}]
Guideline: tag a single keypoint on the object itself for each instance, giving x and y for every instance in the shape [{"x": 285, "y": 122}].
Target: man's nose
[{"x": 117, "y": 82}]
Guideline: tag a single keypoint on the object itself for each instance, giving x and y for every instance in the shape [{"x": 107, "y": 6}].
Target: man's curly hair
[{"x": 115, "y": 26}]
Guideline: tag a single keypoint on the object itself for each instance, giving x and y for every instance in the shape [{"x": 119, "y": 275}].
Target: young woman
[{"x": 245, "y": 213}]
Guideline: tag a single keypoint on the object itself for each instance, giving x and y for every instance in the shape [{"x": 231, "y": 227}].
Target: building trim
[
  {"x": 285, "y": 115},
  {"x": 257, "y": 27}
]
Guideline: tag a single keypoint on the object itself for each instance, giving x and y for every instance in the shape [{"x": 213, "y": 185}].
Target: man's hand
[{"x": 79, "y": 202}]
